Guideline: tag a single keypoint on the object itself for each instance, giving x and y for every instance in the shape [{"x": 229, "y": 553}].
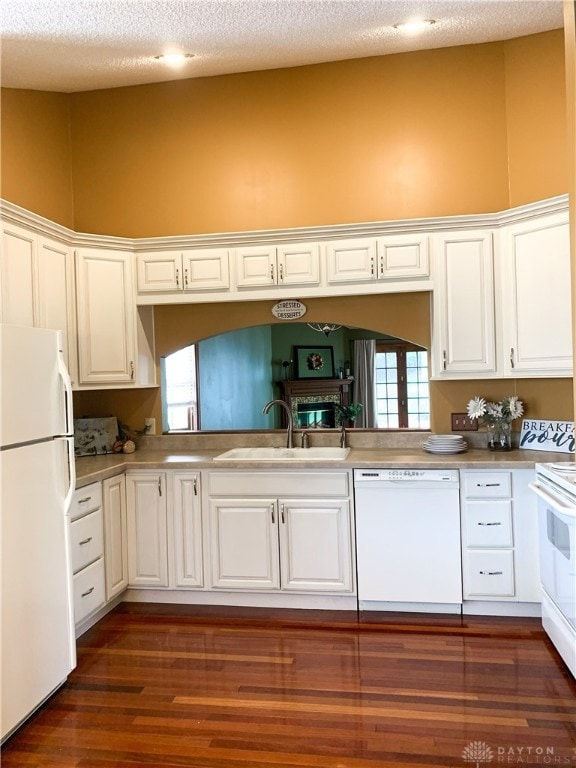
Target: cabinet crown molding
[{"x": 14, "y": 214}]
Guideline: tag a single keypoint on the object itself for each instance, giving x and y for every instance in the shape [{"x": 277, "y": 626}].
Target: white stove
[{"x": 555, "y": 486}]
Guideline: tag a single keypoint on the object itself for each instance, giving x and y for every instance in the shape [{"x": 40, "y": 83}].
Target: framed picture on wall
[{"x": 314, "y": 362}]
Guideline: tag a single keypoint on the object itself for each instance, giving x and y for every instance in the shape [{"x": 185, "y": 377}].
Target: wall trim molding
[{"x": 14, "y": 214}]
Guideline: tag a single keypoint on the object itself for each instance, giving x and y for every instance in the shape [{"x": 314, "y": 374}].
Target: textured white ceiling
[{"x": 81, "y": 45}]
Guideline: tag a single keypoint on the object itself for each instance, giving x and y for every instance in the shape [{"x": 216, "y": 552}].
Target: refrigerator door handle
[
  {"x": 68, "y": 404},
  {"x": 71, "y": 473}
]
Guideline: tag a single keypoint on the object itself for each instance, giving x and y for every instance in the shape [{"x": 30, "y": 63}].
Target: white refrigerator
[{"x": 37, "y": 480}]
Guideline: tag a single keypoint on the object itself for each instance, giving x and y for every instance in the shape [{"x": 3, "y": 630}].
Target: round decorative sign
[{"x": 291, "y": 309}]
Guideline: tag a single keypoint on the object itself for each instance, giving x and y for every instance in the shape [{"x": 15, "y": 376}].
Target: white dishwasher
[{"x": 408, "y": 540}]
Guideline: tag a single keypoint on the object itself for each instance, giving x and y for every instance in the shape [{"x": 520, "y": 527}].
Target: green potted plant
[{"x": 350, "y": 411}]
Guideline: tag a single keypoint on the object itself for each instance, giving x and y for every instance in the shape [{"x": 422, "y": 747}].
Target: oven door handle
[{"x": 567, "y": 509}]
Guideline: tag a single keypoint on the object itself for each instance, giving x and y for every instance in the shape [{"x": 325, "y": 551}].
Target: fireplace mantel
[{"x": 297, "y": 392}]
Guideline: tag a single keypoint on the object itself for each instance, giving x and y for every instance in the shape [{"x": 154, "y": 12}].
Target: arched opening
[{"x": 222, "y": 382}]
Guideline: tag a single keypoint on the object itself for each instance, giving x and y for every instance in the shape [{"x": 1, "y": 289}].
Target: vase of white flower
[
  {"x": 499, "y": 436},
  {"x": 498, "y": 418}
]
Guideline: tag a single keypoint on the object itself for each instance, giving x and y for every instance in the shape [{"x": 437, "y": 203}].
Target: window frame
[{"x": 400, "y": 348}]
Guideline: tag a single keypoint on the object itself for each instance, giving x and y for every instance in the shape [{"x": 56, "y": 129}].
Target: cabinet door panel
[
  {"x": 538, "y": 307},
  {"x": 298, "y": 264},
  {"x": 255, "y": 266},
  {"x": 115, "y": 535},
  {"x": 159, "y": 271},
  {"x": 351, "y": 260},
  {"x": 106, "y": 338},
  {"x": 17, "y": 276},
  {"x": 147, "y": 530},
  {"x": 55, "y": 290},
  {"x": 206, "y": 269},
  {"x": 403, "y": 256},
  {"x": 244, "y": 540},
  {"x": 187, "y": 530},
  {"x": 315, "y": 549},
  {"x": 464, "y": 317}
]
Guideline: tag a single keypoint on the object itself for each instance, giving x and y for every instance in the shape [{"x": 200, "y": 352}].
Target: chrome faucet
[
  {"x": 343, "y": 436},
  {"x": 290, "y": 430}
]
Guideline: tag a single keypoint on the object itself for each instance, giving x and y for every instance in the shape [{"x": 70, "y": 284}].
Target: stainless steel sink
[{"x": 284, "y": 454}]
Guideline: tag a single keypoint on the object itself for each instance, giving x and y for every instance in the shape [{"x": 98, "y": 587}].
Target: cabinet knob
[
  {"x": 177, "y": 278},
  {"x": 444, "y": 359},
  {"x": 491, "y": 573},
  {"x": 185, "y": 278},
  {"x": 272, "y": 511},
  {"x": 281, "y": 273},
  {"x": 511, "y": 357},
  {"x": 489, "y": 523},
  {"x": 272, "y": 272}
]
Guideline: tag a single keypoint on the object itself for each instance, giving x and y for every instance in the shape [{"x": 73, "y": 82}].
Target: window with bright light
[
  {"x": 180, "y": 400},
  {"x": 402, "y": 389}
]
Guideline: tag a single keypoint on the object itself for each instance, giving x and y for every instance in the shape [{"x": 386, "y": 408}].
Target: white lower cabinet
[
  {"x": 87, "y": 552},
  {"x": 115, "y": 535},
  {"x": 165, "y": 547},
  {"x": 187, "y": 530},
  {"x": 499, "y": 536},
  {"x": 296, "y": 542},
  {"x": 147, "y": 529}
]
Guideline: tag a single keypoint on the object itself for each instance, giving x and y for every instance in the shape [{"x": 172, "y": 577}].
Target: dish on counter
[{"x": 445, "y": 444}]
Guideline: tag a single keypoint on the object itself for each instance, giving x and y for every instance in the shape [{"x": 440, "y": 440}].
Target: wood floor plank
[{"x": 216, "y": 688}]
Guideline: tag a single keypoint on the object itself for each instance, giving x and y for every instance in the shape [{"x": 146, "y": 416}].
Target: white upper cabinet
[
  {"x": 378, "y": 258},
  {"x": 463, "y": 306},
  {"x": 17, "y": 276},
  {"x": 200, "y": 269},
  {"x": 536, "y": 299},
  {"x": 37, "y": 283},
  {"x": 290, "y": 264},
  {"x": 106, "y": 317},
  {"x": 56, "y": 296}
]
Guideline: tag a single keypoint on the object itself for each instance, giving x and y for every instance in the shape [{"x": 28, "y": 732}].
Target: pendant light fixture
[{"x": 325, "y": 328}]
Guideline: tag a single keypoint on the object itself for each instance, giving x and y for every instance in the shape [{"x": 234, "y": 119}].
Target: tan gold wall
[
  {"x": 35, "y": 155},
  {"x": 535, "y": 104},
  {"x": 419, "y": 134}
]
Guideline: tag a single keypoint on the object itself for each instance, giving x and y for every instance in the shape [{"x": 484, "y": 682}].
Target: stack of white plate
[{"x": 445, "y": 444}]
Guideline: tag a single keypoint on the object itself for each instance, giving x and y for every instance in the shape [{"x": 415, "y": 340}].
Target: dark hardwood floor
[{"x": 243, "y": 688}]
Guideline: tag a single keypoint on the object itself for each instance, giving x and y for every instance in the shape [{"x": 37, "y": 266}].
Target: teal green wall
[{"x": 235, "y": 379}]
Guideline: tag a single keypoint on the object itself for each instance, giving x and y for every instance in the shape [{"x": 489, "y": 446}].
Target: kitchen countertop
[{"x": 90, "y": 469}]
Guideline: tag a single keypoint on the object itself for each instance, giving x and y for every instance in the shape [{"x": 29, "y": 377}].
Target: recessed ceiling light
[
  {"x": 174, "y": 59},
  {"x": 414, "y": 26}
]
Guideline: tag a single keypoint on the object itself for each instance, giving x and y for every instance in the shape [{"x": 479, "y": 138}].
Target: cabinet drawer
[
  {"x": 486, "y": 485},
  {"x": 89, "y": 590},
  {"x": 488, "y": 523},
  {"x": 489, "y": 574},
  {"x": 86, "y": 540},
  {"x": 86, "y": 500},
  {"x": 324, "y": 484}
]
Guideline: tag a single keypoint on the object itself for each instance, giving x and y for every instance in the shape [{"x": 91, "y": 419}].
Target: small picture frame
[{"x": 314, "y": 362}]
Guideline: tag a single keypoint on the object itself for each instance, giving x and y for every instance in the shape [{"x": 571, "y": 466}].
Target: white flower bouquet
[{"x": 498, "y": 418}]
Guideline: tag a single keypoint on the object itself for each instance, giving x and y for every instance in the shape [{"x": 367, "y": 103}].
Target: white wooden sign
[
  {"x": 540, "y": 435},
  {"x": 289, "y": 310}
]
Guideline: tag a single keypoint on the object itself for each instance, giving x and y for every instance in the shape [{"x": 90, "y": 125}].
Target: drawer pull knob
[
  {"x": 89, "y": 592},
  {"x": 489, "y": 523},
  {"x": 85, "y": 541},
  {"x": 488, "y": 485},
  {"x": 491, "y": 573},
  {"x": 85, "y": 499}
]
